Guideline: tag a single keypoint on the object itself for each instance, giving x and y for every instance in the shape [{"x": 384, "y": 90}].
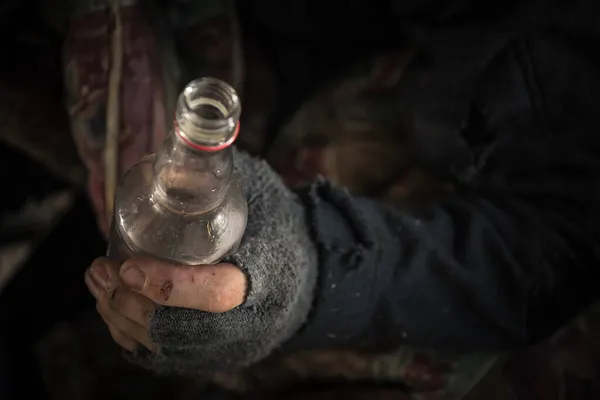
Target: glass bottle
[{"x": 183, "y": 203}]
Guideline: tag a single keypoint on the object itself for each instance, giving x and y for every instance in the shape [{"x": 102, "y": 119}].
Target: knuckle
[
  {"x": 148, "y": 314},
  {"x": 222, "y": 300},
  {"x": 103, "y": 303},
  {"x": 117, "y": 299},
  {"x": 99, "y": 261},
  {"x": 239, "y": 282},
  {"x": 218, "y": 304},
  {"x": 123, "y": 302},
  {"x": 103, "y": 262},
  {"x": 227, "y": 292}
]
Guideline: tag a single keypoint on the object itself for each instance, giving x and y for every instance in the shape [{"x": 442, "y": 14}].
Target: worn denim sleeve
[
  {"x": 492, "y": 267},
  {"x": 514, "y": 252}
]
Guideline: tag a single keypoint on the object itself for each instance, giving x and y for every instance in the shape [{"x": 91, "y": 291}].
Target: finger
[
  {"x": 91, "y": 284},
  {"x": 122, "y": 323},
  {"x": 126, "y": 326},
  {"x": 105, "y": 272},
  {"x": 212, "y": 288},
  {"x": 132, "y": 305},
  {"x": 120, "y": 338}
]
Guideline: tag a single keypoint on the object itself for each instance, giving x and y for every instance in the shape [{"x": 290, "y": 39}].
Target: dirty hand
[
  {"x": 206, "y": 318},
  {"x": 127, "y": 294}
]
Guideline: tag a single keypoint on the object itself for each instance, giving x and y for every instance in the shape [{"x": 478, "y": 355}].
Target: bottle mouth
[
  {"x": 207, "y": 114},
  {"x": 211, "y": 147}
]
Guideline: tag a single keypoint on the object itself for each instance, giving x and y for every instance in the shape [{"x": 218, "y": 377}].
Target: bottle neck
[
  {"x": 188, "y": 180},
  {"x": 193, "y": 167}
]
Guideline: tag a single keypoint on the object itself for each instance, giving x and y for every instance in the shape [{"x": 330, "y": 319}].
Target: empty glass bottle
[{"x": 183, "y": 203}]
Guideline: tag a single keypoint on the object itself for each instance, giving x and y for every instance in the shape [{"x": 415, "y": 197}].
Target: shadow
[{"x": 49, "y": 287}]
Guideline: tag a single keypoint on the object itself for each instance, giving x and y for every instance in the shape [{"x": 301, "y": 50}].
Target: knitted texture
[{"x": 281, "y": 264}]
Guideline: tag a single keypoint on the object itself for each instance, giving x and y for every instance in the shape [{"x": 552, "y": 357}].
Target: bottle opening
[
  {"x": 210, "y": 112},
  {"x": 207, "y": 114}
]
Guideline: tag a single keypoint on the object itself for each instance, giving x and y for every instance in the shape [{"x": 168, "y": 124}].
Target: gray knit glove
[{"x": 280, "y": 260}]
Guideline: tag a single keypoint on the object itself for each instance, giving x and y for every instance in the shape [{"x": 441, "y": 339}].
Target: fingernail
[
  {"x": 133, "y": 277},
  {"x": 100, "y": 274}
]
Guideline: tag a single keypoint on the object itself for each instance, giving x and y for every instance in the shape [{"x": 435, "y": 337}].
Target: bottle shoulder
[{"x": 151, "y": 228}]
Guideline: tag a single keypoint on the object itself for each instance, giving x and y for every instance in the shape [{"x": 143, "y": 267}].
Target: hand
[
  {"x": 225, "y": 316},
  {"x": 127, "y": 295}
]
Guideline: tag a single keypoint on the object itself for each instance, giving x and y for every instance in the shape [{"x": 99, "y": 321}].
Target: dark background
[{"x": 48, "y": 287}]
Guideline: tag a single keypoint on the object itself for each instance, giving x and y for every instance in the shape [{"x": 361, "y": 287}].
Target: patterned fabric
[{"x": 86, "y": 64}]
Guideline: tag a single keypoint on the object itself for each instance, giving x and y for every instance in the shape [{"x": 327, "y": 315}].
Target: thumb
[{"x": 212, "y": 288}]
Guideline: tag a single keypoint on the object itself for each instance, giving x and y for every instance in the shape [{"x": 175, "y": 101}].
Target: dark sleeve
[
  {"x": 507, "y": 259},
  {"x": 485, "y": 269}
]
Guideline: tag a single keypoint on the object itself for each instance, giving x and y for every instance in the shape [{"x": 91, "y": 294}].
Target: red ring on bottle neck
[{"x": 219, "y": 147}]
